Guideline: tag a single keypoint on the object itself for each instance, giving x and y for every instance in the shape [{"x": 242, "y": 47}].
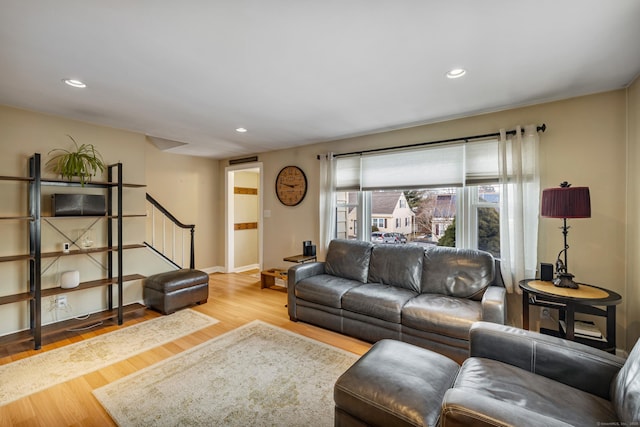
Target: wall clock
[{"x": 291, "y": 185}]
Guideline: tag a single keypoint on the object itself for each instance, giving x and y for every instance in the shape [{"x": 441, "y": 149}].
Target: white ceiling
[{"x": 296, "y": 72}]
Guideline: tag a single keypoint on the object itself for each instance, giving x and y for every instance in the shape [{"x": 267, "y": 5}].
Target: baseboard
[
  {"x": 246, "y": 268},
  {"x": 211, "y": 270}
]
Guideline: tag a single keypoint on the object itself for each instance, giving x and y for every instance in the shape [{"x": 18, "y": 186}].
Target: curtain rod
[{"x": 541, "y": 128}]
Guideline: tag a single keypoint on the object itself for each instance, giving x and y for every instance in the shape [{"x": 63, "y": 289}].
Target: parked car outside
[
  {"x": 376, "y": 237},
  {"x": 400, "y": 238},
  {"x": 389, "y": 237},
  {"x": 379, "y": 237}
]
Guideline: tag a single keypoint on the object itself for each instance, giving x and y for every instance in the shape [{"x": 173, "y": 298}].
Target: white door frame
[{"x": 229, "y": 212}]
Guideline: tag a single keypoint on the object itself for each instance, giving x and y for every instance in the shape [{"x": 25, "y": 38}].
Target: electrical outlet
[{"x": 61, "y": 301}]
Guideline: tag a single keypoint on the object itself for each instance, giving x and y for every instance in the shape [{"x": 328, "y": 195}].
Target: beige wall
[
  {"x": 186, "y": 185},
  {"x": 22, "y": 134},
  {"x": 632, "y": 291},
  {"x": 585, "y": 144}
]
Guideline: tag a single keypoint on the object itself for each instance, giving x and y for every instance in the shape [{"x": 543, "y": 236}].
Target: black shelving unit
[{"x": 114, "y": 192}]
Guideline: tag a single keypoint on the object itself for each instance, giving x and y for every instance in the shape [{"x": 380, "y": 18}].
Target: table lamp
[{"x": 565, "y": 202}]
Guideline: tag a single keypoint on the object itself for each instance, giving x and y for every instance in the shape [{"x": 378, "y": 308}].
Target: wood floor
[{"x": 234, "y": 299}]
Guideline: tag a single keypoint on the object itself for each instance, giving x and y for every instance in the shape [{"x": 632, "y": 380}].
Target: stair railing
[{"x": 175, "y": 251}]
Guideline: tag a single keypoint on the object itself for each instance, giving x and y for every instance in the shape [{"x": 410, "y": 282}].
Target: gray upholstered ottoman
[
  {"x": 393, "y": 384},
  {"x": 173, "y": 290}
]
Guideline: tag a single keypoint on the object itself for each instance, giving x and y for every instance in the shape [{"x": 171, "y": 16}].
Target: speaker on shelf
[
  {"x": 546, "y": 272},
  {"x": 308, "y": 249},
  {"x": 78, "y": 205}
]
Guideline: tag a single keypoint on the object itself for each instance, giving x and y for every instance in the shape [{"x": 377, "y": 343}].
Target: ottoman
[
  {"x": 394, "y": 384},
  {"x": 173, "y": 290}
]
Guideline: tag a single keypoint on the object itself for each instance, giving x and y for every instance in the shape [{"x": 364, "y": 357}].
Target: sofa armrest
[
  {"x": 568, "y": 362},
  {"x": 302, "y": 271},
  {"x": 461, "y": 408},
  {"x": 294, "y": 275},
  {"x": 494, "y": 305}
]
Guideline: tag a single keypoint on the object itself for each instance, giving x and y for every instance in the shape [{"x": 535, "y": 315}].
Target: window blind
[{"x": 451, "y": 165}]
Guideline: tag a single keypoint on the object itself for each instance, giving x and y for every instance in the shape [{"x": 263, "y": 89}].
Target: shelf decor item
[
  {"x": 69, "y": 279},
  {"x": 84, "y": 162},
  {"x": 565, "y": 202}
]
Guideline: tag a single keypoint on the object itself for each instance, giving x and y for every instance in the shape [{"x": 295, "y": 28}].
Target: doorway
[{"x": 243, "y": 217}]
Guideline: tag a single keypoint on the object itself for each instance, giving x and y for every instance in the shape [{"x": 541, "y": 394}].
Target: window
[
  {"x": 379, "y": 222},
  {"x": 451, "y": 192},
  {"x": 347, "y": 218},
  {"x": 467, "y": 217}
]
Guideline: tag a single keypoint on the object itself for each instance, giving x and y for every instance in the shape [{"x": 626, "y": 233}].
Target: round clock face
[{"x": 291, "y": 185}]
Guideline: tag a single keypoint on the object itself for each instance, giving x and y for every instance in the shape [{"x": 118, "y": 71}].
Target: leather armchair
[{"x": 520, "y": 378}]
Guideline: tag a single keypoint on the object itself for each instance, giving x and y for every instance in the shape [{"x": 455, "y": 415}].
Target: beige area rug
[
  {"x": 256, "y": 375},
  {"x": 35, "y": 373}
]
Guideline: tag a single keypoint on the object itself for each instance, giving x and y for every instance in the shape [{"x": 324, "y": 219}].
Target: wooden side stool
[{"x": 268, "y": 277}]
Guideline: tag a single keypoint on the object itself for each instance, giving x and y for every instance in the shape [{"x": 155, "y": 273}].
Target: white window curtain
[
  {"x": 519, "y": 204},
  {"x": 327, "y": 201}
]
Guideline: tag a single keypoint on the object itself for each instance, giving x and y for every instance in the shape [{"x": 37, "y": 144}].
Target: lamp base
[{"x": 565, "y": 280}]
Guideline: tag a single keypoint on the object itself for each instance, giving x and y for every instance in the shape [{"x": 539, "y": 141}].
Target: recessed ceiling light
[
  {"x": 75, "y": 83},
  {"x": 241, "y": 130},
  {"x": 456, "y": 72}
]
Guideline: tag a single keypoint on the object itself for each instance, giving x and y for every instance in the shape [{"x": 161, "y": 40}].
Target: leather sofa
[
  {"x": 513, "y": 377},
  {"x": 428, "y": 297}
]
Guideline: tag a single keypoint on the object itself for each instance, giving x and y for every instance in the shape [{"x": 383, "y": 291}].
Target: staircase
[{"x": 170, "y": 238}]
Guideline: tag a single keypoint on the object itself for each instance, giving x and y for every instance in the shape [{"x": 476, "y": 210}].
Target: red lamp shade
[{"x": 566, "y": 202}]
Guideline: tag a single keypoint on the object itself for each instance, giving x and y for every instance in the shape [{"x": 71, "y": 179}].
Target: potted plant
[{"x": 84, "y": 162}]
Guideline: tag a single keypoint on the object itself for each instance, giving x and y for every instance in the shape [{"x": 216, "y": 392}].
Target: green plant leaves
[{"x": 83, "y": 163}]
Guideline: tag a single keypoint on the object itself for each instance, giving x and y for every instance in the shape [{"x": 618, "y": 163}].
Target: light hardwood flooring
[{"x": 234, "y": 299}]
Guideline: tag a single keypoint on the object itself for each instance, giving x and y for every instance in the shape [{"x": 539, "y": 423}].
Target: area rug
[
  {"x": 256, "y": 375},
  {"x": 35, "y": 373}
]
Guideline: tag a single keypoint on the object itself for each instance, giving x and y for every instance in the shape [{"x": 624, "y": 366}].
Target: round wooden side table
[{"x": 586, "y": 299}]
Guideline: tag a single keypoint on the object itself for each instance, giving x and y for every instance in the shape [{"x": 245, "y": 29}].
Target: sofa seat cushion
[
  {"x": 376, "y": 300},
  {"x": 497, "y": 385},
  {"x": 441, "y": 314},
  {"x": 395, "y": 384},
  {"x": 325, "y": 289}
]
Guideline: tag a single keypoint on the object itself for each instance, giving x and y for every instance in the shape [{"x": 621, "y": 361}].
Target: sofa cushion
[
  {"x": 348, "y": 259},
  {"x": 625, "y": 390},
  {"x": 324, "y": 289},
  {"x": 463, "y": 273},
  {"x": 441, "y": 314},
  {"x": 397, "y": 265},
  {"x": 376, "y": 300},
  {"x": 395, "y": 384},
  {"x": 503, "y": 386}
]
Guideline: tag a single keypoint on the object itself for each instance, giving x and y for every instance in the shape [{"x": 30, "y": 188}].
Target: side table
[
  {"x": 268, "y": 277},
  {"x": 586, "y": 299},
  {"x": 300, "y": 258}
]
